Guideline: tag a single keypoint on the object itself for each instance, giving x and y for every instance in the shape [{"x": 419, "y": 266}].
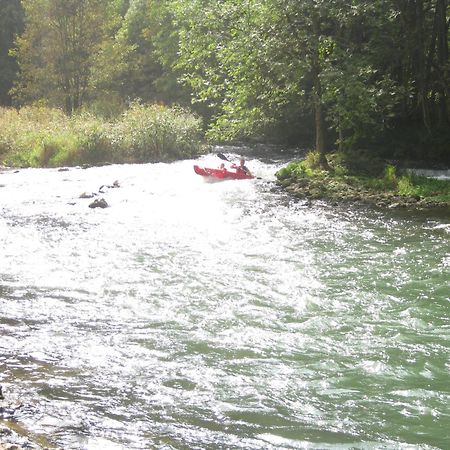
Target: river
[{"x": 193, "y": 315}]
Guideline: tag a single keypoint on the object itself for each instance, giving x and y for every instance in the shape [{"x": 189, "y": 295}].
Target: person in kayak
[
  {"x": 241, "y": 167},
  {"x": 223, "y": 168}
]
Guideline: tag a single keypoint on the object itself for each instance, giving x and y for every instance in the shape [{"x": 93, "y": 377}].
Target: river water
[{"x": 193, "y": 315}]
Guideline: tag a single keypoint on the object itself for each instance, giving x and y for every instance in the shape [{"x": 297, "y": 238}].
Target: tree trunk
[
  {"x": 317, "y": 96},
  {"x": 68, "y": 105},
  {"x": 420, "y": 63}
]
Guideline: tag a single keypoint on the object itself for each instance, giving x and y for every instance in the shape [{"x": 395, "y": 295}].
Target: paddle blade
[{"x": 222, "y": 156}]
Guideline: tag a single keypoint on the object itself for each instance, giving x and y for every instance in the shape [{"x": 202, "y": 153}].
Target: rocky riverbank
[{"x": 378, "y": 184}]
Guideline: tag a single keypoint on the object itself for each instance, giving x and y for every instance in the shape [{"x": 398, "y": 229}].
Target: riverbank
[{"x": 358, "y": 178}]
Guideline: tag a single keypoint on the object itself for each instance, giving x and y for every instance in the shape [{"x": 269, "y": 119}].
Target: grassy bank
[
  {"x": 362, "y": 179},
  {"x": 45, "y": 137}
]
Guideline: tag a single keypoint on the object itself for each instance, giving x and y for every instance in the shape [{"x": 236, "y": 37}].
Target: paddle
[{"x": 222, "y": 156}]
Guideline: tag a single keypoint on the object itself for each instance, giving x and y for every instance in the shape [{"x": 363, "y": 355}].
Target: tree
[
  {"x": 11, "y": 25},
  {"x": 229, "y": 55},
  {"x": 145, "y": 36},
  {"x": 252, "y": 60},
  {"x": 349, "y": 66},
  {"x": 57, "y": 49},
  {"x": 344, "y": 72},
  {"x": 413, "y": 49}
]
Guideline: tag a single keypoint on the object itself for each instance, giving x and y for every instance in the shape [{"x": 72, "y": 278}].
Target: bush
[
  {"x": 312, "y": 160},
  {"x": 417, "y": 186},
  {"x": 155, "y": 133},
  {"x": 390, "y": 175},
  {"x": 39, "y": 136},
  {"x": 405, "y": 186},
  {"x": 292, "y": 170}
]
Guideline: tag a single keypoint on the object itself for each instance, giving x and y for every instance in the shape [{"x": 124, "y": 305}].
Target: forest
[{"x": 353, "y": 74}]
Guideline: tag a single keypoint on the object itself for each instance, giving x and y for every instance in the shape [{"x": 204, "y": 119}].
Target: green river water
[{"x": 193, "y": 315}]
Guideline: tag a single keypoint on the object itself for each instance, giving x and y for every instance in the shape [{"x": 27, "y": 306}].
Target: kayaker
[
  {"x": 223, "y": 168},
  {"x": 241, "y": 167}
]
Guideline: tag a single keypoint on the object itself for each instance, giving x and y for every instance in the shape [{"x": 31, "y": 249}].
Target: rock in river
[{"x": 99, "y": 203}]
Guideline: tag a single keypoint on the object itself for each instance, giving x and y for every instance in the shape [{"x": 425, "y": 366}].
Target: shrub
[
  {"x": 155, "y": 133},
  {"x": 38, "y": 136},
  {"x": 413, "y": 185},
  {"x": 312, "y": 160},
  {"x": 292, "y": 170},
  {"x": 390, "y": 176},
  {"x": 405, "y": 186}
]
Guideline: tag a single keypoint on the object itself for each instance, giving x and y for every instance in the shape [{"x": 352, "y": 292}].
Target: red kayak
[{"x": 222, "y": 174}]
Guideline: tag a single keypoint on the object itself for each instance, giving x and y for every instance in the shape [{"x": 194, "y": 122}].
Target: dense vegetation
[
  {"x": 45, "y": 137},
  {"x": 325, "y": 74}
]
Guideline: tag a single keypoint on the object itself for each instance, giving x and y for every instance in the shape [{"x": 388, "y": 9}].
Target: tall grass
[{"x": 44, "y": 137}]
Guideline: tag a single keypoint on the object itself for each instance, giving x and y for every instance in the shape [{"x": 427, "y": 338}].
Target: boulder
[
  {"x": 87, "y": 195},
  {"x": 116, "y": 184},
  {"x": 99, "y": 203}
]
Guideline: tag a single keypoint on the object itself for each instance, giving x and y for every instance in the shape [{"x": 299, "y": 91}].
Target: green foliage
[
  {"x": 158, "y": 133},
  {"x": 308, "y": 167},
  {"x": 366, "y": 73},
  {"x": 405, "y": 186},
  {"x": 60, "y": 50},
  {"x": 312, "y": 160},
  {"x": 11, "y": 23},
  {"x": 233, "y": 57},
  {"x": 416, "y": 186},
  {"x": 75, "y": 53},
  {"x": 390, "y": 175},
  {"x": 40, "y": 136},
  {"x": 283, "y": 174},
  {"x": 359, "y": 102},
  {"x": 294, "y": 169},
  {"x": 353, "y": 162},
  {"x": 131, "y": 64}
]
